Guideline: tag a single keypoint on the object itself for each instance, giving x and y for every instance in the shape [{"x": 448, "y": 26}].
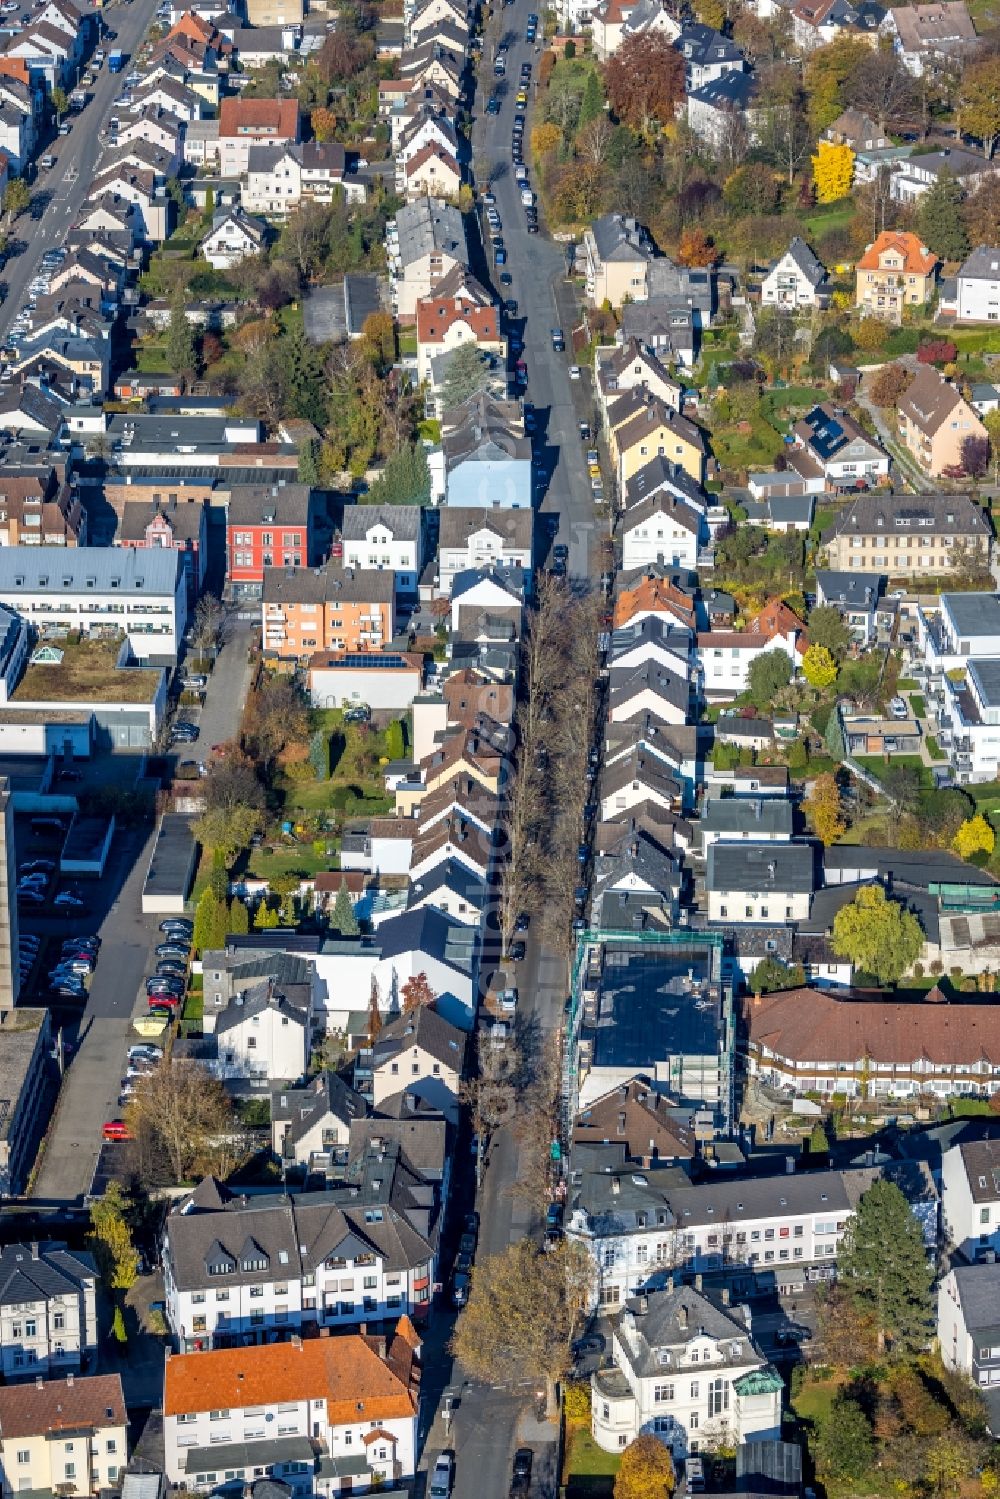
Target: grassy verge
[
  {"x": 879, "y": 766},
  {"x": 918, "y": 703},
  {"x": 193, "y": 1015},
  {"x": 588, "y": 1471},
  {"x": 933, "y": 748}
]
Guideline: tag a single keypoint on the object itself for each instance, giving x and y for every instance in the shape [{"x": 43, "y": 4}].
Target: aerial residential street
[{"x": 67, "y": 184}]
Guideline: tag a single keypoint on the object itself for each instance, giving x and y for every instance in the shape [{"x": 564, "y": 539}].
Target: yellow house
[
  {"x": 896, "y": 271},
  {"x": 935, "y": 421},
  {"x": 654, "y": 430},
  {"x": 63, "y": 1436}
]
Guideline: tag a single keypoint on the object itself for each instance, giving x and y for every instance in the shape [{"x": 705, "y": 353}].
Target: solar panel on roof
[{"x": 364, "y": 661}]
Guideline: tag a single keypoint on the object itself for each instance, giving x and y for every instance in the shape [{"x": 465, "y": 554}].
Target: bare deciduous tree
[{"x": 188, "y": 1112}]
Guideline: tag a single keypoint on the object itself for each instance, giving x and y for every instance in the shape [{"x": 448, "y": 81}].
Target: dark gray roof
[
  {"x": 327, "y": 1095},
  {"x": 619, "y": 237},
  {"x": 777, "y": 868},
  {"x": 402, "y": 521},
  {"x": 873, "y": 514},
  {"x": 627, "y": 682},
  {"x": 981, "y": 1160},
  {"x": 705, "y": 46},
  {"x": 807, "y": 262},
  {"x": 747, "y": 814},
  {"x": 39, "y": 1272},
  {"x": 849, "y": 590},
  {"x": 453, "y": 875},
  {"x": 431, "y": 931},
  {"x": 427, "y": 225},
  {"x": 978, "y": 1289},
  {"x": 982, "y": 264},
  {"x": 973, "y": 614},
  {"x": 917, "y": 868},
  {"x": 657, "y": 476},
  {"x": 425, "y": 1028},
  {"x": 670, "y": 1319},
  {"x": 458, "y": 522},
  {"x": 732, "y": 91},
  {"x": 254, "y": 1001}
]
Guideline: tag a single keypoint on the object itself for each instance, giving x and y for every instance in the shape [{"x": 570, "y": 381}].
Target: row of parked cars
[{"x": 166, "y": 986}]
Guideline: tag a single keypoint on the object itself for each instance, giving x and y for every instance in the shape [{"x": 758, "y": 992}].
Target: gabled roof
[
  {"x": 249, "y": 117},
  {"x": 917, "y": 259},
  {"x": 53, "y": 1406},
  {"x": 877, "y": 514},
  {"x": 930, "y": 400},
  {"x": 814, "y": 1025},
  {"x": 425, "y": 1028},
  {"x": 811, "y": 267}
]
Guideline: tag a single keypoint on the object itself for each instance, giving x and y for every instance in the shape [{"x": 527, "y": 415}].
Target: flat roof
[
  {"x": 86, "y": 837},
  {"x": 19, "y": 1032},
  {"x": 986, "y": 674},
  {"x": 973, "y": 613},
  {"x": 656, "y": 1002},
  {"x": 88, "y": 672},
  {"x": 171, "y": 868}
]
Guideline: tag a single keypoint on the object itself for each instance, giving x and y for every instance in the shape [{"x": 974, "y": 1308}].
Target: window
[
  {"x": 663, "y": 1392},
  {"x": 70, "y": 1471},
  {"x": 718, "y": 1397},
  {"x": 23, "y": 1455},
  {"x": 694, "y": 1389}
]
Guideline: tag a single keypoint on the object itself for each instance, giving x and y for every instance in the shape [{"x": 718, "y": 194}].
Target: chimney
[
  {"x": 643, "y": 1304},
  {"x": 725, "y": 1295},
  {"x": 682, "y": 1318},
  {"x": 34, "y": 1250},
  {"x": 698, "y": 1282},
  {"x": 296, "y": 1340},
  {"x": 39, "y": 1381},
  {"x": 69, "y": 1379}
]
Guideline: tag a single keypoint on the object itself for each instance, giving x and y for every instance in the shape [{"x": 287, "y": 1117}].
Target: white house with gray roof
[
  {"x": 385, "y": 538},
  {"x": 968, "y": 1329},
  {"x": 798, "y": 279},
  {"x": 311, "y": 1126},
  {"x": 687, "y": 1370},
  {"x": 256, "y": 1269},
  {"x": 743, "y": 819},
  {"x": 48, "y": 1310},
  {"x": 760, "y": 881},
  {"x": 139, "y": 592},
  {"x": 979, "y": 286},
  {"x": 970, "y": 1197},
  {"x": 423, "y": 242},
  {"x": 422, "y": 1055}
]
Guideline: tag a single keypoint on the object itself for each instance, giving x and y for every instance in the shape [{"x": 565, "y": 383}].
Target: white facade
[
  {"x": 787, "y": 285},
  {"x": 484, "y": 547},
  {"x": 777, "y": 907},
  {"x": 709, "y": 1385},
  {"x": 380, "y": 549},
  {"x": 231, "y": 241},
  {"x": 140, "y": 592},
  {"x": 979, "y": 296},
  {"x": 968, "y": 1326},
  {"x": 970, "y": 1197},
  {"x": 661, "y": 537},
  {"x": 51, "y": 1326},
  {"x": 263, "y": 1041},
  {"x": 726, "y": 660}
]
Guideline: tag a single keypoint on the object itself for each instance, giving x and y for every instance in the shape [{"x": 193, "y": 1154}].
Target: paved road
[
  {"x": 545, "y": 300},
  {"x": 68, "y": 182}
]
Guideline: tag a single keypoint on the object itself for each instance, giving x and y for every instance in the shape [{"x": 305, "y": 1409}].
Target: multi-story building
[
  {"x": 35, "y": 514},
  {"x": 63, "y": 1436},
  {"x": 968, "y": 1328},
  {"x": 268, "y": 526},
  {"x": 472, "y": 537},
  {"x": 48, "y": 1310},
  {"x": 638, "y": 1228},
  {"x": 797, "y": 279},
  {"x": 385, "y": 538},
  {"x": 25, "y": 1068},
  {"x": 257, "y": 1270},
  {"x": 338, "y": 609},
  {"x": 764, "y": 882},
  {"x": 423, "y": 243},
  {"x": 618, "y": 252},
  {"x": 180, "y": 527},
  {"x": 907, "y": 535},
  {"x": 245, "y": 123},
  {"x": 418, "y": 1054},
  {"x": 935, "y": 422},
  {"x": 686, "y": 1368},
  {"x": 829, "y": 1041},
  {"x": 325, "y": 1415},
  {"x": 896, "y": 271},
  {"x": 141, "y": 593},
  {"x": 970, "y": 1197},
  {"x": 979, "y": 285}
]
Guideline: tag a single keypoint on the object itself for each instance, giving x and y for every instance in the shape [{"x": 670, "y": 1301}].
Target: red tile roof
[
  {"x": 917, "y": 259},
  {"x": 276, "y": 119},
  {"x": 435, "y": 315},
  {"x": 61, "y": 1405}
]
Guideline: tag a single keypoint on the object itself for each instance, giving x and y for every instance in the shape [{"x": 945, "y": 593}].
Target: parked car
[
  {"x": 443, "y": 1476},
  {"x": 520, "y": 1478},
  {"x": 116, "y": 1129}
]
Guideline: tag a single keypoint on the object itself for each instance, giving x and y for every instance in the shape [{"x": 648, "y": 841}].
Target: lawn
[
  {"x": 814, "y": 1399},
  {"x": 879, "y": 765},
  {"x": 754, "y": 449},
  {"x": 85, "y": 671},
  {"x": 860, "y": 832},
  {"x": 986, "y": 796},
  {"x": 588, "y": 1471},
  {"x": 933, "y": 748},
  {"x": 783, "y": 407},
  {"x": 193, "y": 1015},
  {"x": 918, "y": 703},
  {"x": 970, "y": 1108},
  {"x": 906, "y": 684},
  {"x": 836, "y": 216}
]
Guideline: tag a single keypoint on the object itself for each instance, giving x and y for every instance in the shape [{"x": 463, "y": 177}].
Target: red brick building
[{"x": 268, "y": 525}]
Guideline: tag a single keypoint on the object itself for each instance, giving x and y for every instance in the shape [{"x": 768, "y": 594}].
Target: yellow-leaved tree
[
  {"x": 975, "y": 836},
  {"x": 823, "y": 809},
  {"x": 819, "y": 667},
  {"x": 833, "y": 171},
  {"x": 545, "y": 138},
  {"x": 646, "y": 1470}
]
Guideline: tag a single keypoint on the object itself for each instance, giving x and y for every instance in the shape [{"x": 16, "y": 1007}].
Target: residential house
[
  {"x": 419, "y": 1054},
  {"x": 629, "y": 366},
  {"x": 275, "y": 12},
  {"x": 267, "y": 526},
  {"x": 437, "y": 64},
  {"x": 263, "y": 1035},
  {"x": 608, "y": 20},
  {"x": 727, "y": 655},
  {"x": 797, "y": 279},
  {"x": 935, "y": 421},
  {"x": 431, "y": 172},
  {"x": 140, "y": 593},
  {"x": 473, "y": 537},
  {"x": 636, "y": 884},
  {"x": 854, "y": 128},
  {"x": 311, "y": 1125},
  {"x": 834, "y": 1041},
  {"x": 48, "y": 1310},
  {"x": 344, "y": 1396},
  {"x": 424, "y": 130},
  {"x": 635, "y": 779},
  {"x": 818, "y": 22},
  {"x": 970, "y": 1197},
  {"x": 617, "y": 251},
  {"x": 861, "y": 600},
  {"x": 488, "y": 603},
  {"x": 782, "y": 513},
  {"x": 335, "y": 609},
  {"x": 424, "y": 241},
  {"x": 381, "y": 537},
  {"x": 739, "y": 819},
  {"x": 686, "y": 1368},
  {"x": 979, "y": 288},
  {"x": 181, "y": 526},
  {"x": 653, "y": 597},
  {"x": 280, "y": 178},
  {"x": 233, "y": 237},
  {"x": 767, "y": 881},
  {"x": 671, "y": 325},
  {"x": 712, "y": 108},
  {"x": 445, "y": 322},
  {"x": 968, "y": 1328},
  {"x": 641, "y": 427},
  {"x": 662, "y": 529},
  {"x": 708, "y": 55},
  {"x": 833, "y": 452},
  {"x": 238, "y": 1270},
  {"x": 930, "y": 35},
  {"x": 654, "y": 1131},
  {"x": 68, "y": 1435},
  {"x": 896, "y": 271},
  {"x": 487, "y": 457},
  {"x": 662, "y": 478},
  {"x": 914, "y": 176},
  {"x": 649, "y": 689},
  {"x": 33, "y": 514},
  {"x": 245, "y": 123},
  {"x": 906, "y": 535}
]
